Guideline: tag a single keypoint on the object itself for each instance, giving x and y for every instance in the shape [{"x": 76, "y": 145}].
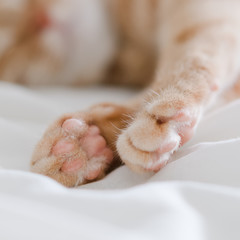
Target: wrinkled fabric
[{"x": 196, "y": 196}]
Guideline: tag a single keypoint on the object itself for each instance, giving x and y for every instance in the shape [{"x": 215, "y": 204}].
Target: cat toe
[
  {"x": 79, "y": 154},
  {"x": 149, "y": 142}
]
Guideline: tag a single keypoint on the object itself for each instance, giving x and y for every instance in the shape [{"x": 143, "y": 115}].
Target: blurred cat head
[{"x": 54, "y": 41}]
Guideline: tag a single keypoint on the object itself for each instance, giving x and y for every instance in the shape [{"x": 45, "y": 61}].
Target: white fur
[{"x": 80, "y": 38}]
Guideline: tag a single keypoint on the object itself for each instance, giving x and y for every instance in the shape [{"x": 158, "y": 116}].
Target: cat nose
[{"x": 42, "y": 20}]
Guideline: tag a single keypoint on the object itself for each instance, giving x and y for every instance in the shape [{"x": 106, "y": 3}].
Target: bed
[{"x": 196, "y": 196}]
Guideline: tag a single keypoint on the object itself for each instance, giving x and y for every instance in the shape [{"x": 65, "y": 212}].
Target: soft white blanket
[{"x": 196, "y": 196}]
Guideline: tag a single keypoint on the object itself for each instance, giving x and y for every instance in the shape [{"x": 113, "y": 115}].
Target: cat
[{"x": 185, "y": 52}]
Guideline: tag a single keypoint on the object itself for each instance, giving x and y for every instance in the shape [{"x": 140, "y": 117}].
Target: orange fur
[{"x": 186, "y": 51}]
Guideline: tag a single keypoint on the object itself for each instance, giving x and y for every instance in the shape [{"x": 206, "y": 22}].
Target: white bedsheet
[{"x": 196, "y": 196}]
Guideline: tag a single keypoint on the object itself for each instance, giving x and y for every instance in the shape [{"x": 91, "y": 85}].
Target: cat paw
[
  {"x": 73, "y": 152},
  {"x": 156, "y": 133}
]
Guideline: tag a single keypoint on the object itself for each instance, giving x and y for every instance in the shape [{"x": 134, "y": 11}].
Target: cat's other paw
[
  {"x": 156, "y": 133},
  {"x": 73, "y": 152},
  {"x": 76, "y": 148}
]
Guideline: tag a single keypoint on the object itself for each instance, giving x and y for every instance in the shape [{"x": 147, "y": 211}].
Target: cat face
[{"x": 49, "y": 41}]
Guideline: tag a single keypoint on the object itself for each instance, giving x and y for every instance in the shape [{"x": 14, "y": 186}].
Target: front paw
[
  {"x": 79, "y": 148},
  {"x": 72, "y": 151},
  {"x": 156, "y": 133}
]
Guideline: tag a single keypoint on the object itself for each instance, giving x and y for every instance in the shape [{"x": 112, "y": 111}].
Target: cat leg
[
  {"x": 79, "y": 148},
  {"x": 194, "y": 70}
]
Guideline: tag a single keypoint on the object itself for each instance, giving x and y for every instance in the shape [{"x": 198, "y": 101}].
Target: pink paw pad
[
  {"x": 62, "y": 147},
  {"x": 107, "y": 153},
  {"x": 75, "y": 126},
  {"x": 93, "y": 145},
  {"x": 93, "y": 174},
  {"x": 166, "y": 148},
  {"x": 157, "y": 155},
  {"x": 93, "y": 131},
  {"x": 187, "y": 132},
  {"x": 185, "y": 122},
  {"x": 88, "y": 139},
  {"x": 72, "y": 166}
]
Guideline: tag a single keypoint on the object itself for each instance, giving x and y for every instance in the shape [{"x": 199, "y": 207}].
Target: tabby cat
[{"x": 186, "y": 52}]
